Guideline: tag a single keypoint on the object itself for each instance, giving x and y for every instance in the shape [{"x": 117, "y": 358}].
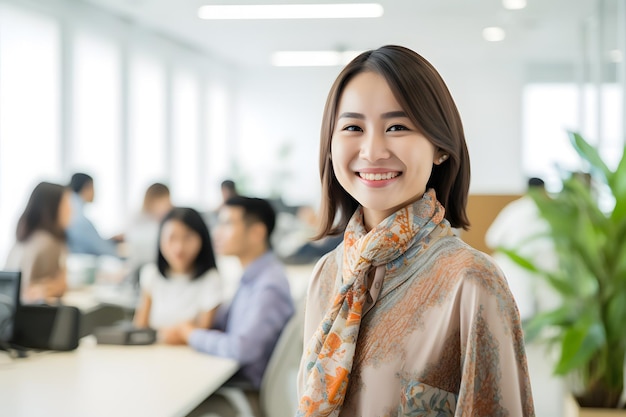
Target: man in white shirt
[{"x": 519, "y": 227}]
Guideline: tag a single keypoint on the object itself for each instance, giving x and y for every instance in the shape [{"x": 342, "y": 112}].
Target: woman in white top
[
  {"x": 142, "y": 232},
  {"x": 183, "y": 286}
]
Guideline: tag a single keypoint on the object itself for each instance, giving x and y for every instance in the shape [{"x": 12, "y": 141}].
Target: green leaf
[
  {"x": 615, "y": 316},
  {"x": 559, "y": 317},
  {"x": 518, "y": 259},
  {"x": 579, "y": 345},
  {"x": 590, "y": 154},
  {"x": 566, "y": 287},
  {"x": 619, "y": 271},
  {"x": 618, "y": 188},
  {"x": 559, "y": 283}
]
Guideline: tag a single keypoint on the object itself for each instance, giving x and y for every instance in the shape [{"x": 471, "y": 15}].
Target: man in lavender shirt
[{"x": 247, "y": 329}]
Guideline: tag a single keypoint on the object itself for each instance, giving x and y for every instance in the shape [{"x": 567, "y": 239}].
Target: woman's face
[
  {"x": 378, "y": 155},
  {"x": 180, "y": 246},
  {"x": 65, "y": 210},
  {"x": 159, "y": 207}
]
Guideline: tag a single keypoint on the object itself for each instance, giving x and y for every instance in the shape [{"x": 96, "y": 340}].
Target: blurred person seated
[
  {"x": 183, "y": 286},
  {"x": 142, "y": 234},
  {"x": 229, "y": 190},
  {"x": 82, "y": 236},
  {"x": 519, "y": 227},
  {"x": 40, "y": 251},
  {"x": 301, "y": 249},
  {"x": 247, "y": 329}
]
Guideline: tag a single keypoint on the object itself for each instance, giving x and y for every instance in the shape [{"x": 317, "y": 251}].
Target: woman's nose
[{"x": 374, "y": 147}]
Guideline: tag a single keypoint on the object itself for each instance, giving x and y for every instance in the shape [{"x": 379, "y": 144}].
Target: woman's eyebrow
[
  {"x": 350, "y": 115},
  {"x": 388, "y": 115},
  {"x": 393, "y": 114}
]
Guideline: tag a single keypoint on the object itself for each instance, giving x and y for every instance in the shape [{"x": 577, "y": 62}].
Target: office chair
[{"x": 277, "y": 395}]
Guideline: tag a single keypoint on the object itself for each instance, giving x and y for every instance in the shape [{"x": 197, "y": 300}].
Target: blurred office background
[{"x": 138, "y": 91}]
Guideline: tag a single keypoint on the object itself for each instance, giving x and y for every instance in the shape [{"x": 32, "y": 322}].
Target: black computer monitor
[{"x": 9, "y": 301}]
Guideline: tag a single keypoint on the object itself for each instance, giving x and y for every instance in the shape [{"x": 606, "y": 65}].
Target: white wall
[
  {"x": 278, "y": 106},
  {"x": 488, "y": 93}
]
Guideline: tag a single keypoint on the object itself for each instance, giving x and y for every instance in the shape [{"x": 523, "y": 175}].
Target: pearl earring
[{"x": 443, "y": 158}]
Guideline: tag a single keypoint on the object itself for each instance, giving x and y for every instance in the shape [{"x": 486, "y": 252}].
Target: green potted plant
[{"x": 588, "y": 326}]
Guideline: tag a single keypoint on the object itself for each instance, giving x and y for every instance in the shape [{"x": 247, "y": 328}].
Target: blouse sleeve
[
  {"x": 212, "y": 293},
  {"x": 147, "y": 276},
  {"x": 494, "y": 374}
]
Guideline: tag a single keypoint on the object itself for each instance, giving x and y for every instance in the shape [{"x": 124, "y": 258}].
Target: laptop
[{"x": 9, "y": 302}]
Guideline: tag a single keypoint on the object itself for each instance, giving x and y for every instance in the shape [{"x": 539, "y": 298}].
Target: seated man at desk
[
  {"x": 247, "y": 329},
  {"x": 82, "y": 236}
]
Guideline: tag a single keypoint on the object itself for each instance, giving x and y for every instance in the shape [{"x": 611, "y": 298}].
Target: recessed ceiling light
[
  {"x": 514, "y": 4},
  {"x": 312, "y": 58},
  {"x": 494, "y": 34},
  {"x": 291, "y": 11}
]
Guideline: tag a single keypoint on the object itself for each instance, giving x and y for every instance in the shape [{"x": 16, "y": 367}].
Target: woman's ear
[{"x": 440, "y": 157}]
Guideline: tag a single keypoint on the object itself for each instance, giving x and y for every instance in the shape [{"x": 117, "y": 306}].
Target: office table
[{"x": 110, "y": 381}]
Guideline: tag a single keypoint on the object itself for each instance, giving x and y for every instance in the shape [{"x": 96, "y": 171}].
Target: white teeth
[{"x": 378, "y": 176}]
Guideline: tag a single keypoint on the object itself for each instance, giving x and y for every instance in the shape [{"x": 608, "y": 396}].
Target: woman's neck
[{"x": 181, "y": 271}]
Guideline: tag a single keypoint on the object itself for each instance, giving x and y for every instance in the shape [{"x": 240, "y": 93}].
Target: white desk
[{"x": 107, "y": 381}]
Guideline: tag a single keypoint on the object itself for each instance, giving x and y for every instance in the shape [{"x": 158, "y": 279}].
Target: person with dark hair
[
  {"x": 82, "y": 236},
  {"x": 228, "y": 189},
  {"x": 183, "y": 286},
  {"x": 40, "y": 250},
  {"x": 403, "y": 317},
  {"x": 515, "y": 226},
  {"x": 247, "y": 329}
]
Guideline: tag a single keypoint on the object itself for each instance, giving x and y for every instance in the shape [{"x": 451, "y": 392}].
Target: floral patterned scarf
[{"x": 330, "y": 353}]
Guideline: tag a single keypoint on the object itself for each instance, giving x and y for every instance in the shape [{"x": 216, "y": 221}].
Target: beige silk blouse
[{"x": 447, "y": 341}]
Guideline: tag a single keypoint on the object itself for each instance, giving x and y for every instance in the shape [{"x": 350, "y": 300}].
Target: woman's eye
[
  {"x": 396, "y": 128},
  {"x": 353, "y": 128}
]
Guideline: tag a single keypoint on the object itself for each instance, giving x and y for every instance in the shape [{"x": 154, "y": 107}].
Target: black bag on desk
[
  {"x": 124, "y": 333},
  {"x": 46, "y": 327}
]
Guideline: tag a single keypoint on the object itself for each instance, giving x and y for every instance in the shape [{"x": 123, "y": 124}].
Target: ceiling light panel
[
  {"x": 292, "y": 11},
  {"x": 494, "y": 34},
  {"x": 514, "y": 4}
]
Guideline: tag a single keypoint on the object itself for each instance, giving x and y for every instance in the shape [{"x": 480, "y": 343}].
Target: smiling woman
[{"x": 403, "y": 318}]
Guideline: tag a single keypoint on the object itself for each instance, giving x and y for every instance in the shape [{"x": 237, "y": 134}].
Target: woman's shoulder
[
  {"x": 467, "y": 263},
  {"x": 211, "y": 275},
  {"x": 329, "y": 261},
  {"x": 325, "y": 271},
  {"x": 41, "y": 243},
  {"x": 43, "y": 238},
  {"x": 474, "y": 277},
  {"x": 149, "y": 274}
]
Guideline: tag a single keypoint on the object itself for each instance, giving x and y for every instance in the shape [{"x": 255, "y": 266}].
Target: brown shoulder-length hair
[
  {"x": 154, "y": 192},
  {"x": 423, "y": 95},
  {"x": 42, "y": 212}
]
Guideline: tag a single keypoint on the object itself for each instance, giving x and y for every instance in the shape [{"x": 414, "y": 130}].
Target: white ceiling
[{"x": 547, "y": 30}]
